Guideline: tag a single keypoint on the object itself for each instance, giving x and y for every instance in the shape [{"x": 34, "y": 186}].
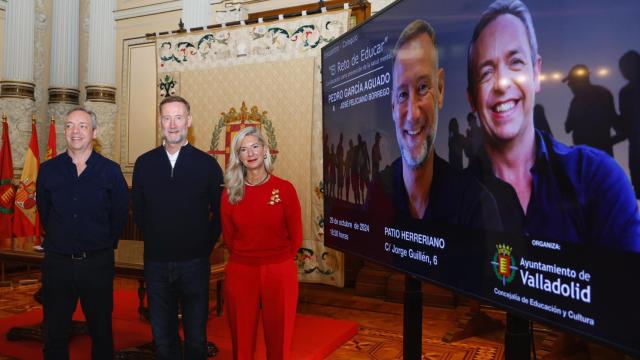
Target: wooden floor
[{"x": 380, "y": 333}]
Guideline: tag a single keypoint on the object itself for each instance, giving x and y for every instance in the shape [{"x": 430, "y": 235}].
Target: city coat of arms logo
[{"x": 504, "y": 264}]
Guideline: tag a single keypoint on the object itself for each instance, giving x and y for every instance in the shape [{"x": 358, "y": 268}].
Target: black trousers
[{"x": 64, "y": 281}]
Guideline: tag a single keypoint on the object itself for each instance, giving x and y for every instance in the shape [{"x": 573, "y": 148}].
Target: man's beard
[
  {"x": 179, "y": 140},
  {"x": 427, "y": 146}
]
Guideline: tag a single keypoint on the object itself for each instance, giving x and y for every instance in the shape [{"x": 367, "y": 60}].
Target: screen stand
[
  {"x": 475, "y": 322},
  {"x": 517, "y": 339},
  {"x": 412, "y": 319}
]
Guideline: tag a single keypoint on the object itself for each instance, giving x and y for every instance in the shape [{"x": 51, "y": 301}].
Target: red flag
[
  {"x": 26, "y": 221},
  {"x": 7, "y": 192},
  {"x": 51, "y": 144}
]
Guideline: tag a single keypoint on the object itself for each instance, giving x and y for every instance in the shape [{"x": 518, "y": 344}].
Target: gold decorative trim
[
  {"x": 64, "y": 95},
  {"x": 101, "y": 94},
  {"x": 17, "y": 89}
]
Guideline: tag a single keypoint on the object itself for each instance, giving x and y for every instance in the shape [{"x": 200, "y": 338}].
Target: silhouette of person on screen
[
  {"x": 332, "y": 170},
  {"x": 348, "y": 163},
  {"x": 376, "y": 156},
  {"x": 474, "y": 137},
  {"x": 540, "y": 121},
  {"x": 356, "y": 154},
  {"x": 592, "y": 113},
  {"x": 544, "y": 189},
  {"x": 364, "y": 165},
  {"x": 456, "y": 144},
  {"x": 629, "y": 102},
  {"x": 420, "y": 184},
  {"x": 339, "y": 159}
]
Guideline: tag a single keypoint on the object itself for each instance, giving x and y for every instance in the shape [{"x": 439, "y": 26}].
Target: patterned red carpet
[{"x": 316, "y": 337}]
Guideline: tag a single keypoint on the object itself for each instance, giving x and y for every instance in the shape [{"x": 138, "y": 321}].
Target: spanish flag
[
  {"x": 7, "y": 193},
  {"x": 51, "y": 144},
  {"x": 26, "y": 221}
]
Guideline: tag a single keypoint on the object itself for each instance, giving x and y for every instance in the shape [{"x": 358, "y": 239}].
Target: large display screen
[{"x": 494, "y": 148}]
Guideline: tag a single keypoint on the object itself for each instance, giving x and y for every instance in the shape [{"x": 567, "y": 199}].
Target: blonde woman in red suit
[{"x": 262, "y": 228}]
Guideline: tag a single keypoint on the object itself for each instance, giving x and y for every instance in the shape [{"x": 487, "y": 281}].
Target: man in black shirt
[
  {"x": 82, "y": 200},
  {"x": 176, "y": 201},
  {"x": 420, "y": 184}
]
